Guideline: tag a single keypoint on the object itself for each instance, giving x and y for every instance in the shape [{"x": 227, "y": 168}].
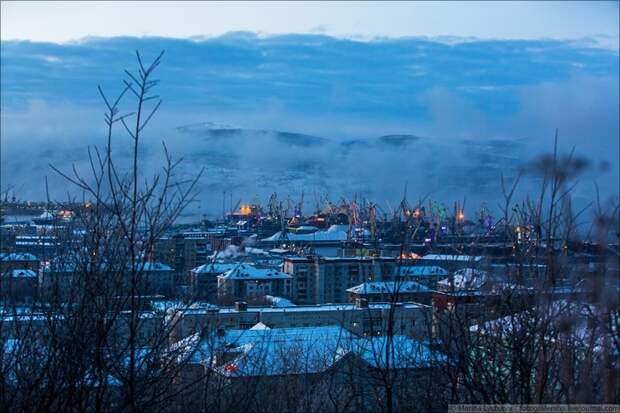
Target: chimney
[
  {"x": 361, "y": 303},
  {"x": 241, "y": 306}
]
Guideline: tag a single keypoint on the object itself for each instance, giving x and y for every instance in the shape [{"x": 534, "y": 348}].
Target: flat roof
[
  {"x": 451, "y": 257},
  {"x": 306, "y": 308}
]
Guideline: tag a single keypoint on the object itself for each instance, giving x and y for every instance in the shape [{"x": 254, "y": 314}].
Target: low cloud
[{"x": 293, "y": 113}]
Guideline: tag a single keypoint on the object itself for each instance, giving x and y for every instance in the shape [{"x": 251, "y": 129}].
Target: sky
[
  {"x": 67, "y": 21},
  {"x": 329, "y": 99}
]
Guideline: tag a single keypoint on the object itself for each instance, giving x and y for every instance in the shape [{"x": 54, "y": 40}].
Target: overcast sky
[{"x": 66, "y": 21}]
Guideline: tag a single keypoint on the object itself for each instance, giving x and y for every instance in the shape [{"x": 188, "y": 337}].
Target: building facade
[
  {"x": 319, "y": 280},
  {"x": 203, "y": 280},
  {"x": 361, "y": 318}
]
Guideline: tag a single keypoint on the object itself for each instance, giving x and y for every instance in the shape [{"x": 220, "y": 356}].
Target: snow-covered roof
[
  {"x": 358, "y": 258},
  {"x": 261, "y": 351},
  {"x": 388, "y": 287},
  {"x": 345, "y": 259},
  {"x": 279, "y": 251},
  {"x": 404, "y": 352},
  {"x": 423, "y": 271},
  {"x": 173, "y": 305},
  {"x": 255, "y": 251},
  {"x": 35, "y": 237},
  {"x": 260, "y": 326},
  {"x": 202, "y": 309},
  {"x": 451, "y": 257},
  {"x": 322, "y": 307},
  {"x": 23, "y": 274},
  {"x": 155, "y": 266},
  {"x": 17, "y": 256},
  {"x": 249, "y": 272},
  {"x": 306, "y": 228},
  {"x": 215, "y": 267},
  {"x": 36, "y": 243},
  {"x": 333, "y": 233},
  {"x": 562, "y": 316},
  {"x": 288, "y": 350},
  {"x": 31, "y": 317}
]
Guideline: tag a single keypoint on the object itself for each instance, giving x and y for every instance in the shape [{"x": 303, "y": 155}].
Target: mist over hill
[{"x": 320, "y": 114}]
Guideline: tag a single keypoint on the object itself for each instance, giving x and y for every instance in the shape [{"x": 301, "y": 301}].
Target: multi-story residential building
[
  {"x": 58, "y": 279},
  {"x": 245, "y": 280},
  {"x": 157, "y": 279},
  {"x": 184, "y": 251},
  {"x": 318, "y": 280},
  {"x": 44, "y": 246},
  {"x": 203, "y": 280}
]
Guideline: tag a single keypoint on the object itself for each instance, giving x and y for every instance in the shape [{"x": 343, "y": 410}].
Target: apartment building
[
  {"x": 319, "y": 280},
  {"x": 184, "y": 251},
  {"x": 157, "y": 279},
  {"x": 18, "y": 276},
  {"x": 203, "y": 279}
]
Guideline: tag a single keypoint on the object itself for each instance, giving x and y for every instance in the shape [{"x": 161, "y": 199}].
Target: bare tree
[{"x": 98, "y": 344}]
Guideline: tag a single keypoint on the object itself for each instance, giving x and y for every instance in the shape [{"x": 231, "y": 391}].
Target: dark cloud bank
[{"x": 323, "y": 115}]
